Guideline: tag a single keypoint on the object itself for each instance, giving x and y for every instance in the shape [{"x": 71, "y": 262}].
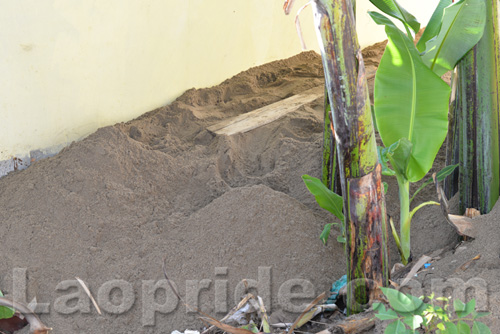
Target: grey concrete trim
[{"x": 21, "y": 162}]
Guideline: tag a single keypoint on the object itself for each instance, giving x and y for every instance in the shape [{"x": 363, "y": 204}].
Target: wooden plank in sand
[{"x": 265, "y": 115}]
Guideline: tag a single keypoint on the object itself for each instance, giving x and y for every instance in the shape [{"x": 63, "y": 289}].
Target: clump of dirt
[{"x": 219, "y": 209}]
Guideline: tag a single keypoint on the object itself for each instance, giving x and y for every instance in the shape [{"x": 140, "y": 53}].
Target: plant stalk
[
  {"x": 404, "y": 217},
  {"x": 329, "y": 168},
  {"x": 360, "y": 173}
]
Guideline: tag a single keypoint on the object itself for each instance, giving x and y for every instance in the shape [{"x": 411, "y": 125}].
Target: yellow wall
[{"x": 68, "y": 67}]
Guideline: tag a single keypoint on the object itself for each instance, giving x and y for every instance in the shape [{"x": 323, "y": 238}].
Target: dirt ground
[{"x": 220, "y": 209}]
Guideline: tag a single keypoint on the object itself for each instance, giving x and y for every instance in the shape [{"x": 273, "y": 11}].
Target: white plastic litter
[
  {"x": 240, "y": 315},
  {"x": 187, "y": 331}
]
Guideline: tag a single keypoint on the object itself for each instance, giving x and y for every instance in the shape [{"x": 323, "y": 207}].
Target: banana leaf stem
[{"x": 404, "y": 217}]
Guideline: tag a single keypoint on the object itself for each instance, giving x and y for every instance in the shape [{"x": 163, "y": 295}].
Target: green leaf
[
  {"x": 394, "y": 9},
  {"x": 326, "y": 232},
  {"x": 376, "y": 306},
  {"x": 481, "y": 314},
  {"x": 413, "y": 321},
  {"x": 251, "y": 327},
  {"x": 459, "y": 306},
  {"x": 396, "y": 327},
  {"x": 463, "y": 327},
  {"x": 441, "y": 314},
  {"x": 386, "y": 187},
  {"x": 381, "y": 20},
  {"x": 5, "y": 312},
  {"x": 326, "y": 198},
  {"x": 470, "y": 307},
  {"x": 449, "y": 328},
  {"x": 410, "y": 100},
  {"x": 383, "y": 159},
  {"x": 387, "y": 315},
  {"x": 341, "y": 239},
  {"x": 399, "y": 156},
  {"x": 480, "y": 328},
  {"x": 401, "y": 302},
  {"x": 443, "y": 173},
  {"x": 462, "y": 27},
  {"x": 463, "y": 310},
  {"x": 434, "y": 25},
  {"x": 440, "y": 176}
]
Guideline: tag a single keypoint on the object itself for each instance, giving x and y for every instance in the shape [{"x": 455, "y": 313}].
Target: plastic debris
[
  {"x": 336, "y": 287},
  {"x": 240, "y": 316},
  {"x": 427, "y": 265},
  {"x": 187, "y": 331}
]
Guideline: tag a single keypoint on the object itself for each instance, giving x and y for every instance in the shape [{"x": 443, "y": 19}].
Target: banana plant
[
  {"x": 473, "y": 139},
  {"x": 356, "y": 150},
  {"x": 411, "y": 100}
]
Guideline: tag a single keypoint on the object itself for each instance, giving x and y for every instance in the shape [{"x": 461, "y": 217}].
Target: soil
[{"x": 219, "y": 209}]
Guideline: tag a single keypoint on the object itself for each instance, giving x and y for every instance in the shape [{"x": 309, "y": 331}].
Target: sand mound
[
  {"x": 472, "y": 269},
  {"x": 221, "y": 209},
  {"x": 113, "y": 205}
]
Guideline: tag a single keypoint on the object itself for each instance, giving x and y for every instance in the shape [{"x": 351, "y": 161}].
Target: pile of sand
[{"x": 221, "y": 209}]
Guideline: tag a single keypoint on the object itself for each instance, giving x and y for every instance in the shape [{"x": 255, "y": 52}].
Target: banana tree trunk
[
  {"x": 360, "y": 172},
  {"x": 328, "y": 163},
  {"x": 330, "y": 175},
  {"x": 474, "y": 130}
]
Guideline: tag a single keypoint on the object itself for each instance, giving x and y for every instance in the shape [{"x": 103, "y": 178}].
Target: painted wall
[{"x": 68, "y": 67}]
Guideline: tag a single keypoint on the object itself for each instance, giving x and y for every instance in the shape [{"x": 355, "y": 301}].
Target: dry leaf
[
  {"x": 394, "y": 284},
  {"x": 87, "y": 291},
  {"x": 416, "y": 267},
  {"x": 463, "y": 225},
  {"x": 226, "y": 328},
  {"x": 396, "y": 267},
  {"x": 310, "y": 306},
  {"x": 358, "y": 325},
  {"x": 471, "y": 212},
  {"x": 467, "y": 264},
  {"x": 265, "y": 318},
  {"x": 242, "y": 303}
]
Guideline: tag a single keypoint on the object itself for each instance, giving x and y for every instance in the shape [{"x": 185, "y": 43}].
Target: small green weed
[
  {"x": 5, "y": 312},
  {"x": 329, "y": 201},
  {"x": 409, "y": 314}
]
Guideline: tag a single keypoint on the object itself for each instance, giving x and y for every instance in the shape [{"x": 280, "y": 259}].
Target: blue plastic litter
[
  {"x": 339, "y": 284},
  {"x": 427, "y": 265}
]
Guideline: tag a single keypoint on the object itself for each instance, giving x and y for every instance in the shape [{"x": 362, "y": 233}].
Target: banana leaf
[
  {"x": 394, "y": 9},
  {"x": 399, "y": 155},
  {"x": 325, "y": 198},
  {"x": 462, "y": 27},
  {"x": 410, "y": 100},
  {"x": 384, "y": 159},
  {"x": 440, "y": 176},
  {"x": 434, "y": 25}
]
